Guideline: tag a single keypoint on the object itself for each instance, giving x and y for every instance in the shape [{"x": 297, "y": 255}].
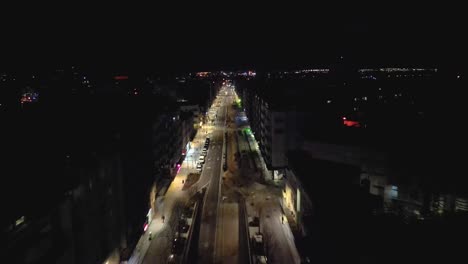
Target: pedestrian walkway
[
  {"x": 264, "y": 201},
  {"x": 162, "y": 232},
  {"x": 277, "y": 236}
]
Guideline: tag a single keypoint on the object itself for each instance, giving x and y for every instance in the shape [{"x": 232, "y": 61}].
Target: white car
[
  {"x": 199, "y": 168},
  {"x": 201, "y": 159}
]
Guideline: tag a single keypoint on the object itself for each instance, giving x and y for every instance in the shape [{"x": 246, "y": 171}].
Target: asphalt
[{"x": 211, "y": 174}]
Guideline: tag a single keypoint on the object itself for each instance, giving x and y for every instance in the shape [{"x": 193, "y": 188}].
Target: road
[
  {"x": 211, "y": 174},
  {"x": 158, "y": 249},
  {"x": 231, "y": 236},
  {"x": 223, "y": 237}
]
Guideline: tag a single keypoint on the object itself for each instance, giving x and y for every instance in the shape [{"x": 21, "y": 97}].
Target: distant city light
[
  {"x": 29, "y": 97},
  {"x": 350, "y": 123},
  {"x": 121, "y": 77},
  {"x": 19, "y": 221},
  {"x": 202, "y": 74},
  {"x": 397, "y": 70}
]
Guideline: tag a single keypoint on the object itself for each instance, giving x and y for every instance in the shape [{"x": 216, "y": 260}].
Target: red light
[
  {"x": 350, "y": 123},
  {"x": 121, "y": 77}
]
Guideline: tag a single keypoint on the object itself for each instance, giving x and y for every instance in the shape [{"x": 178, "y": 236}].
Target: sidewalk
[
  {"x": 162, "y": 232},
  {"x": 277, "y": 236},
  {"x": 263, "y": 201}
]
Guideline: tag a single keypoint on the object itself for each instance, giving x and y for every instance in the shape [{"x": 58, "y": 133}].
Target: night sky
[{"x": 234, "y": 36}]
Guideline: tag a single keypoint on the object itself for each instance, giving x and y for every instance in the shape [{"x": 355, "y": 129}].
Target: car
[
  {"x": 172, "y": 259},
  {"x": 262, "y": 259},
  {"x": 254, "y": 222},
  {"x": 201, "y": 159},
  {"x": 183, "y": 225},
  {"x": 178, "y": 245},
  {"x": 187, "y": 212}
]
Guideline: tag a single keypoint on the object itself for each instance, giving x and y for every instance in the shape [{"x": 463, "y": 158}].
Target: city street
[
  {"x": 223, "y": 236},
  {"x": 158, "y": 249},
  {"x": 210, "y": 207},
  {"x": 263, "y": 201}
]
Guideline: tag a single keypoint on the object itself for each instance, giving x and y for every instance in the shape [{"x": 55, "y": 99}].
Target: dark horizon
[
  {"x": 114, "y": 154},
  {"x": 279, "y": 38}
]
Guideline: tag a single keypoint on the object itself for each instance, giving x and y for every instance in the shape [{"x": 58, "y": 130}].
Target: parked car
[
  {"x": 171, "y": 259},
  {"x": 178, "y": 245},
  {"x": 183, "y": 225}
]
